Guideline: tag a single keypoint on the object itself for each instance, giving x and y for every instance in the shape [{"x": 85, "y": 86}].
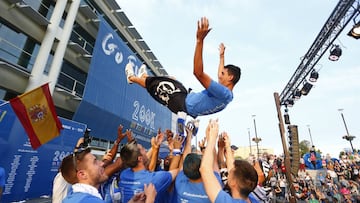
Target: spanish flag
[{"x": 36, "y": 111}]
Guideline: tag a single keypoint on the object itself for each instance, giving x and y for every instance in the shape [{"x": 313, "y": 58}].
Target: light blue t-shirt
[
  {"x": 81, "y": 197},
  {"x": 186, "y": 191},
  {"x": 209, "y": 101},
  {"x": 223, "y": 197},
  {"x": 132, "y": 182}
]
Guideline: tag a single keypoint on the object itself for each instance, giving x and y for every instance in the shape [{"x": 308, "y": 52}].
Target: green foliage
[{"x": 304, "y": 147}]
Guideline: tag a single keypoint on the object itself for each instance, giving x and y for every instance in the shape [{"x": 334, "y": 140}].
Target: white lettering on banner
[
  {"x": 58, "y": 156},
  {"x": 11, "y": 176},
  {"x": 140, "y": 137},
  {"x": 143, "y": 115},
  {"x": 109, "y": 48},
  {"x": 56, "y": 161},
  {"x": 30, "y": 172}
]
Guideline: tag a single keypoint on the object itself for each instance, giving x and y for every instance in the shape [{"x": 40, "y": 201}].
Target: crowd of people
[
  {"x": 140, "y": 175},
  {"x": 136, "y": 175},
  {"x": 207, "y": 174},
  {"x": 337, "y": 181}
]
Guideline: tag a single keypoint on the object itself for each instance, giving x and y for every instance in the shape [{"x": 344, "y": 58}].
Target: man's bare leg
[
  {"x": 139, "y": 81},
  {"x": 132, "y": 78}
]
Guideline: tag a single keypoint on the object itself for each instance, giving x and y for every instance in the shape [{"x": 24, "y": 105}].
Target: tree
[{"x": 304, "y": 147}]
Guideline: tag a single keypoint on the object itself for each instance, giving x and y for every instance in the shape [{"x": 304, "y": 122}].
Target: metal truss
[{"x": 344, "y": 11}]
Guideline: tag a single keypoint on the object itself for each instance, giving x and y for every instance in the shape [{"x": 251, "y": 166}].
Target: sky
[{"x": 267, "y": 40}]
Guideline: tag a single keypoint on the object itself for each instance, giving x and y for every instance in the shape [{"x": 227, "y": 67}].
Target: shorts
[{"x": 168, "y": 92}]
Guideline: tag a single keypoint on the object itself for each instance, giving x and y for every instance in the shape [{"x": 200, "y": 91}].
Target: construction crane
[{"x": 342, "y": 14}]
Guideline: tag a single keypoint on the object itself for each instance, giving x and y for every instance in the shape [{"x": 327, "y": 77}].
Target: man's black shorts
[{"x": 168, "y": 92}]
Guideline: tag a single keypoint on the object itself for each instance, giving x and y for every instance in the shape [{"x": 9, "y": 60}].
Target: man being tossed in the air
[{"x": 174, "y": 95}]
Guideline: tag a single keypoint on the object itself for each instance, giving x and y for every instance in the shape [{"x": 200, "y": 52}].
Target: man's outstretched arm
[
  {"x": 202, "y": 30},
  {"x": 222, "y": 59}
]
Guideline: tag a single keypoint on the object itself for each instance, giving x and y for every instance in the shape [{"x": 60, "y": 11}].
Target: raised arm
[
  {"x": 202, "y": 30},
  {"x": 211, "y": 184},
  {"x": 155, "y": 147},
  {"x": 222, "y": 59},
  {"x": 177, "y": 142},
  {"x": 228, "y": 154},
  {"x": 112, "y": 153},
  {"x": 220, "y": 154},
  {"x": 187, "y": 148}
]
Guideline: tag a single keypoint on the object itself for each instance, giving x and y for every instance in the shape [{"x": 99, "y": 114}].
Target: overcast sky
[{"x": 267, "y": 40}]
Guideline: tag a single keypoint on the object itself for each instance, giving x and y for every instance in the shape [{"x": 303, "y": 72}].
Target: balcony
[{"x": 29, "y": 11}]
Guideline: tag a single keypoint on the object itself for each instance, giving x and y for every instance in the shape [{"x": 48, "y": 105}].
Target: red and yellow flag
[{"x": 36, "y": 111}]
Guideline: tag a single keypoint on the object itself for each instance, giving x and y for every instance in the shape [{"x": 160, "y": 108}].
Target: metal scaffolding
[{"x": 344, "y": 11}]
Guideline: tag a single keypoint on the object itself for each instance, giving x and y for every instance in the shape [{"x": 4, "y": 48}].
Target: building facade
[
  {"x": 53, "y": 41},
  {"x": 79, "y": 47}
]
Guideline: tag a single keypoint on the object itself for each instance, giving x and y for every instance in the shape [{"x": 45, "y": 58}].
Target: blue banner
[
  {"x": 109, "y": 100},
  {"x": 30, "y": 173}
]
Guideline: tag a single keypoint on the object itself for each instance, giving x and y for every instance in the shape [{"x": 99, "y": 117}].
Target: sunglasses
[{"x": 79, "y": 155}]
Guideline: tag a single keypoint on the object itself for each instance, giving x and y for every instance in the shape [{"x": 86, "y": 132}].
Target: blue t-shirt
[
  {"x": 132, "y": 182},
  {"x": 81, "y": 197},
  {"x": 209, "y": 101},
  {"x": 110, "y": 191},
  {"x": 186, "y": 191},
  {"x": 223, "y": 197},
  {"x": 2, "y": 177}
]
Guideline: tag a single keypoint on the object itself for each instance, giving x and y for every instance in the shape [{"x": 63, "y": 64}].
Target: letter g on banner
[{"x": 109, "y": 48}]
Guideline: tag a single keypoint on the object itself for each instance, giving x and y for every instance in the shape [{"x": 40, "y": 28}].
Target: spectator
[
  {"x": 189, "y": 186},
  {"x": 321, "y": 178},
  {"x": 242, "y": 178},
  {"x": 109, "y": 190},
  {"x": 174, "y": 95},
  {"x": 85, "y": 173},
  {"x": 133, "y": 178},
  {"x": 61, "y": 188}
]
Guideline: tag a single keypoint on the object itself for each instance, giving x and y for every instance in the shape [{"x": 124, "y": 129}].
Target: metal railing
[
  {"x": 70, "y": 84},
  {"x": 78, "y": 39},
  {"x": 8, "y": 52}
]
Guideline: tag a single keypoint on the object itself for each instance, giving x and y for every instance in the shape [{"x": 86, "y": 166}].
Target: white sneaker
[
  {"x": 129, "y": 71},
  {"x": 142, "y": 71}
]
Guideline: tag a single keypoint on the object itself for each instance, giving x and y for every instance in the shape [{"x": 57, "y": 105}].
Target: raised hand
[
  {"x": 202, "y": 143},
  {"x": 129, "y": 135},
  {"x": 120, "y": 135},
  {"x": 226, "y": 139},
  {"x": 202, "y": 28},
  {"x": 221, "y": 49},
  {"x": 178, "y": 140},
  {"x": 221, "y": 141},
  {"x": 213, "y": 129},
  {"x": 150, "y": 192},
  {"x": 159, "y": 138}
]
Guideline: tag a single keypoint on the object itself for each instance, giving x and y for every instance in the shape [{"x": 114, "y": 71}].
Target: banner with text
[
  {"x": 30, "y": 173},
  {"x": 109, "y": 100}
]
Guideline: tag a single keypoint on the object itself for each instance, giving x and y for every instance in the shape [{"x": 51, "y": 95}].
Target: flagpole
[{"x": 6, "y": 102}]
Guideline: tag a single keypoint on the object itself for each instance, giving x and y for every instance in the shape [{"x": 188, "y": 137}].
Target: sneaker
[
  {"x": 142, "y": 71},
  {"x": 129, "y": 71}
]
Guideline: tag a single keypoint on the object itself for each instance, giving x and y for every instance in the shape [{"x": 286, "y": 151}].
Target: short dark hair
[
  {"x": 235, "y": 71},
  {"x": 129, "y": 154},
  {"x": 191, "y": 166},
  {"x": 246, "y": 177},
  {"x": 68, "y": 167}
]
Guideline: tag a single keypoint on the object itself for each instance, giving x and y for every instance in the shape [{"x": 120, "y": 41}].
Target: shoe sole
[
  {"x": 129, "y": 71},
  {"x": 142, "y": 71}
]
